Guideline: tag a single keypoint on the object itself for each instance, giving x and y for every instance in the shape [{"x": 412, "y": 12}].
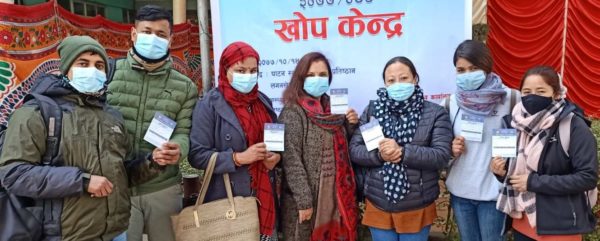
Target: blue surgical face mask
[
  {"x": 151, "y": 46},
  {"x": 316, "y": 85},
  {"x": 400, "y": 91},
  {"x": 88, "y": 80},
  {"x": 244, "y": 83},
  {"x": 470, "y": 81}
]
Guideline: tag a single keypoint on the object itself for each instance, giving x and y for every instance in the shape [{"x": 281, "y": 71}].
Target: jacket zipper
[
  {"x": 140, "y": 115},
  {"x": 99, "y": 132},
  {"x": 573, "y": 211},
  {"x": 421, "y": 184}
]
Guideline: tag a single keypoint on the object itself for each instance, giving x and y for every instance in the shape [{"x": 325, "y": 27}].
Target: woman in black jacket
[
  {"x": 402, "y": 179},
  {"x": 545, "y": 193}
]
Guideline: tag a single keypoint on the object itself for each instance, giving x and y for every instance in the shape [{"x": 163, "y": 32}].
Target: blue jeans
[
  {"x": 121, "y": 237},
  {"x": 477, "y": 220},
  {"x": 391, "y": 235}
]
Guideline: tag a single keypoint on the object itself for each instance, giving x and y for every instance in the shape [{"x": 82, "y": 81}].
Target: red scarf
[
  {"x": 252, "y": 115},
  {"x": 344, "y": 178}
]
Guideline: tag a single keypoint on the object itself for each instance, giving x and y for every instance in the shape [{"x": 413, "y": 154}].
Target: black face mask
[{"x": 535, "y": 103}]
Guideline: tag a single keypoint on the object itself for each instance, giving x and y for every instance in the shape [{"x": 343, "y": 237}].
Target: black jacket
[
  {"x": 428, "y": 153},
  {"x": 562, "y": 180}
]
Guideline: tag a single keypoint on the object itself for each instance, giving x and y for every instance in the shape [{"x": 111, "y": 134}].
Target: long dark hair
[
  {"x": 403, "y": 60},
  {"x": 295, "y": 88},
  {"x": 475, "y": 52}
]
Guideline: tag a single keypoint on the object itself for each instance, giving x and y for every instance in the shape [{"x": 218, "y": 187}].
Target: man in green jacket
[
  {"x": 85, "y": 192},
  {"x": 144, "y": 84}
]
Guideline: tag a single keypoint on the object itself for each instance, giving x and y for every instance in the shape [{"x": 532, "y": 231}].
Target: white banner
[{"x": 357, "y": 36}]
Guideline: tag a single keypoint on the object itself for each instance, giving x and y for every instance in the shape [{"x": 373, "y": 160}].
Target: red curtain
[
  {"x": 523, "y": 34},
  {"x": 527, "y": 33},
  {"x": 582, "y": 59}
]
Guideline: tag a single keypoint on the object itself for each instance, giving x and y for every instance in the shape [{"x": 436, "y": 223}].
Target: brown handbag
[{"x": 231, "y": 218}]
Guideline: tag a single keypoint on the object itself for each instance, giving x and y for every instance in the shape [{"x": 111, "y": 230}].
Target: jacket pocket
[
  {"x": 556, "y": 213},
  {"x": 572, "y": 206},
  {"x": 421, "y": 185}
]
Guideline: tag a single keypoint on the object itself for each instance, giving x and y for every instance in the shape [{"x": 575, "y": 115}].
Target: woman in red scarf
[
  {"x": 230, "y": 120},
  {"x": 318, "y": 201}
]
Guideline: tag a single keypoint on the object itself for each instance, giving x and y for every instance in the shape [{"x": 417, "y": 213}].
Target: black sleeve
[
  {"x": 34, "y": 181},
  {"x": 583, "y": 152}
]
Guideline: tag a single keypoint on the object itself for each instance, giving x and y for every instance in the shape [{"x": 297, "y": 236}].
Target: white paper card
[
  {"x": 274, "y": 136},
  {"x": 372, "y": 134},
  {"x": 339, "y": 101},
  {"x": 160, "y": 130},
  {"x": 504, "y": 143},
  {"x": 472, "y": 127}
]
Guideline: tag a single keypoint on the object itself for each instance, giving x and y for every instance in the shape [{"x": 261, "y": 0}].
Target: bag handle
[
  {"x": 207, "y": 177},
  {"x": 231, "y": 214}
]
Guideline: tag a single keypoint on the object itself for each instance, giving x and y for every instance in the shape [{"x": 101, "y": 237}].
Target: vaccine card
[
  {"x": 273, "y": 138},
  {"x": 339, "y": 101},
  {"x": 472, "y": 127},
  {"x": 160, "y": 130},
  {"x": 504, "y": 143},
  {"x": 372, "y": 134}
]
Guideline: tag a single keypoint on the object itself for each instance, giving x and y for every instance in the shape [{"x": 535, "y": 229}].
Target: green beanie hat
[{"x": 72, "y": 47}]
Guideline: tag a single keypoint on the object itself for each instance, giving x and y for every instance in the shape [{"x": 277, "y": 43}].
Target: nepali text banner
[{"x": 357, "y": 36}]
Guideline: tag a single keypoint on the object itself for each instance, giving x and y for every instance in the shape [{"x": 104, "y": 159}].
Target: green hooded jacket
[{"x": 93, "y": 142}]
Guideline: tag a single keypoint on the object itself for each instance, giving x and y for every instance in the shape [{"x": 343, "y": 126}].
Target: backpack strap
[
  {"x": 513, "y": 99},
  {"x": 564, "y": 135},
  {"x": 52, "y": 115},
  {"x": 564, "y": 132},
  {"x": 112, "y": 68},
  {"x": 447, "y": 103}
]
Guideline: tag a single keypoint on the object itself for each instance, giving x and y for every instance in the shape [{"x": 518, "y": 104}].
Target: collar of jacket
[
  {"x": 572, "y": 108},
  {"x": 83, "y": 100},
  {"x": 226, "y": 112},
  {"x": 162, "y": 70},
  {"x": 56, "y": 86}
]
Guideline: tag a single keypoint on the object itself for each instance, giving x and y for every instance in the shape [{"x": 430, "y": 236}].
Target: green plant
[
  {"x": 595, "y": 236},
  {"x": 186, "y": 169}
]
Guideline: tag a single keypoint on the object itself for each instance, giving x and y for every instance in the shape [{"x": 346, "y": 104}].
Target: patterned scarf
[
  {"x": 399, "y": 120},
  {"x": 482, "y": 101},
  {"x": 533, "y": 133},
  {"x": 252, "y": 115},
  {"x": 344, "y": 179}
]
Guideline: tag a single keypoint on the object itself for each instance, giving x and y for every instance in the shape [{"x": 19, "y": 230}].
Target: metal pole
[
  {"x": 179, "y": 11},
  {"x": 564, "y": 40},
  {"x": 203, "y": 6}
]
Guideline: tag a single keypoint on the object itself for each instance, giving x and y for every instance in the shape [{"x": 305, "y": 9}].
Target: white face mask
[
  {"x": 151, "y": 46},
  {"x": 244, "y": 83},
  {"x": 316, "y": 85},
  {"x": 470, "y": 81},
  {"x": 88, "y": 80}
]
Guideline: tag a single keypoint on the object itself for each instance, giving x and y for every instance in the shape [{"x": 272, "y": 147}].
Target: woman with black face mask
[{"x": 546, "y": 188}]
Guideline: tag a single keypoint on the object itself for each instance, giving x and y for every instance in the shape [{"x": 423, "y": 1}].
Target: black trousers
[{"x": 520, "y": 237}]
